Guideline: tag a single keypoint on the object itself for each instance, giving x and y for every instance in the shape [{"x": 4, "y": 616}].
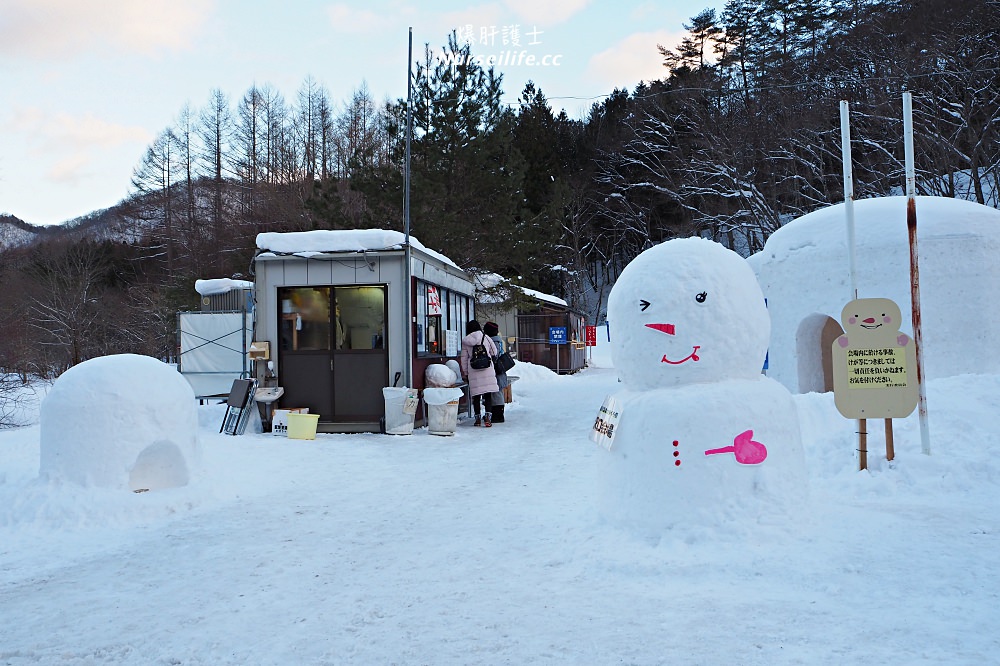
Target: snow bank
[
  {"x": 122, "y": 421},
  {"x": 804, "y": 273}
]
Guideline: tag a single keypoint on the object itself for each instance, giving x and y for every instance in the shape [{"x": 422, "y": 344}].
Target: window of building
[
  {"x": 324, "y": 318},
  {"x": 441, "y": 318},
  {"x": 421, "y": 317},
  {"x": 305, "y": 318}
]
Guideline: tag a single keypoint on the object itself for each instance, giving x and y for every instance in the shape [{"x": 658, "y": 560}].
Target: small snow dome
[
  {"x": 124, "y": 421},
  {"x": 439, "y": 375},
  {"x": 804, "y": 271},
  {"x": 687, "y": 310}
]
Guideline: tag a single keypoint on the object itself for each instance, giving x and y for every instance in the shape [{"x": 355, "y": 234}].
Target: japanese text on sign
[
  {"x": 557, "y": 335},
  {"x": 876, "y": 368}
]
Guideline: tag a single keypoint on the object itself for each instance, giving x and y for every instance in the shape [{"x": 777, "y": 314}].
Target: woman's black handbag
[
  {"x": 503, "y": 363},
  {"x": 480, "y": 358}
]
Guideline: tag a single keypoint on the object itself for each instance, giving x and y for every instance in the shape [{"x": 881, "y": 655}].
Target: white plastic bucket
[
  {"x": 442, "y": 410},
  {"x": 398, "y": 416}
]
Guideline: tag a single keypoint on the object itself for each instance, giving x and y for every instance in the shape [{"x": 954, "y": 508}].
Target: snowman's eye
[
  {"x": 701, "y": 297},
  {"x": 643, "y": 304}
]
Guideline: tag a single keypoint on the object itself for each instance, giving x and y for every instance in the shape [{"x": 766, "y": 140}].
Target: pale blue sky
[{"x": 88, "y": 85}]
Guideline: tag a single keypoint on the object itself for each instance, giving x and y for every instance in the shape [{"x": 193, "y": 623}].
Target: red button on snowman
[{"x": 703, "y": 436}]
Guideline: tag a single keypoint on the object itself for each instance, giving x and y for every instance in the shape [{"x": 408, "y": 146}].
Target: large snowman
[{"x": 704, "y": 438}]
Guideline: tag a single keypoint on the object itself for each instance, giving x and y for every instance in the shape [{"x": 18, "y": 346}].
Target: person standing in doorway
[
  {"x": 493, "y": 331},
  {"x": 482, "y": 383}
]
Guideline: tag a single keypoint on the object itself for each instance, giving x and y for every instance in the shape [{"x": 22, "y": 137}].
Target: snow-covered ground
[{"x": 487, "y": 548}]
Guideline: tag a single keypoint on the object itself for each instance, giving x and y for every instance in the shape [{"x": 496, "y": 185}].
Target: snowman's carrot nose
[{"x": 663, "y": 328}]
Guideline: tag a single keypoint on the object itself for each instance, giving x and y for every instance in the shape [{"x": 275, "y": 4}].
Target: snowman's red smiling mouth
[{"x": 669, "y": 330}]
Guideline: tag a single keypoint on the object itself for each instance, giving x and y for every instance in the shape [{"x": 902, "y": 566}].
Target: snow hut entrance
[{"x": 813, "y": 341}]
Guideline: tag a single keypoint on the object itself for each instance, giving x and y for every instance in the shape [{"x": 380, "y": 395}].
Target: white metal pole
[
  {"x": 845, "y": 138},
  {"x": 845, "y": 150},
  {"x": 911, "y": 226},
  {"x": 408, "y": 291}
]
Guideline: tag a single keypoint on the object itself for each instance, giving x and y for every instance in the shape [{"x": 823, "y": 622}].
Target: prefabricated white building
[
  {"x": 804, "y": 273},
  {"x": 213, "y": 342},
  {"x": 332, "y": 307}
]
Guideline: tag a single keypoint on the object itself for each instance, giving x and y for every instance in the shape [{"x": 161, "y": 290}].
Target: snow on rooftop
[
  {"x": 486, "y": 281},
  {"x": 307, "y": 243},
  {"x": 220, "y": 286},
  {"x": 544, "y": 297}
]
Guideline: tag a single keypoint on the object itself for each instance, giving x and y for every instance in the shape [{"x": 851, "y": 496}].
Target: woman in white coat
[{"x": 481, "y": 382}]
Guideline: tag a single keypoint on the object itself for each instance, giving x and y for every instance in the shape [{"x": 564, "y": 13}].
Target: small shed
[
  {"x": 346, "y": 313},
  {"x": 213, "y": 342},
  {"x": 804, "y": 273},
  {"x": 527, "y": 326}
]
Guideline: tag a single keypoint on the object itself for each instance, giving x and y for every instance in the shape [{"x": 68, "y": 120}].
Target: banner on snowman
[{"x": 606, "y": 423}]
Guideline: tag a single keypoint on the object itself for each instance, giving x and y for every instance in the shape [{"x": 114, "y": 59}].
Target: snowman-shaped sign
[
  {"x": 874, "y": 363},
  {"x": 702, "y": 434}
]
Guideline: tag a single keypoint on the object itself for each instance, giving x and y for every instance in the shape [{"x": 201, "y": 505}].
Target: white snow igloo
[
  {"x": 123, "y": 422},
  {"x": 804, "y": 273}
]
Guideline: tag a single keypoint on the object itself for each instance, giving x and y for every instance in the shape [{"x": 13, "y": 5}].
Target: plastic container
[
  {"x": 442, "y": 410},
  {"x": 400, "y": 408},
  {"x": 279, "y": 422},
  {"x": 302, "y": 426}
]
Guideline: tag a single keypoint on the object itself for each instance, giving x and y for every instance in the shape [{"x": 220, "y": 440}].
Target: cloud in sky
[
  {"x": 476, "y": 18},
  {"x": 52, "y": 131},
  {"x": 69, "y": 145},
  {"x": 545, "y": 13},
  {"x": 346, "y": 18},
  {"x": 70, "y": 170},
  {"x": 65, "y": 28},
  {"x": 633, "y": 59}
]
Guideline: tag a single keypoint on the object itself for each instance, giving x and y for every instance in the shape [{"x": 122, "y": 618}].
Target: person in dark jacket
[{"x": 493, "y": 331}]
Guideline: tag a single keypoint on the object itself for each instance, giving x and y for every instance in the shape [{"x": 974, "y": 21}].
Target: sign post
[
  {"x": 557, "y": 336},
  {"x": 911, "y": 227},
  {"x": 590, "y": 335},
  {"x": 874, "y": 368}
]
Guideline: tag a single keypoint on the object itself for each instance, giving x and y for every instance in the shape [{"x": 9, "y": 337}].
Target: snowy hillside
[{"x": 14, "y": 233}]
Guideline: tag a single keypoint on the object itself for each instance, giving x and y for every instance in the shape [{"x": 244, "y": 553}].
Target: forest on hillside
[{"x": 740, "y": 135}]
